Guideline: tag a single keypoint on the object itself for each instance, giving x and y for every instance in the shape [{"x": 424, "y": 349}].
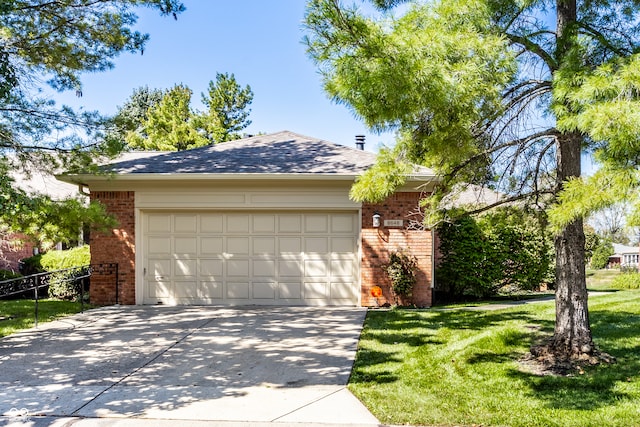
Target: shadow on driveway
[{"x": 196, "y": 363}]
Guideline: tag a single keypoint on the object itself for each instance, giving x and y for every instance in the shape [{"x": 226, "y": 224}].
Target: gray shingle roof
[{"x": 278, "y": 153}]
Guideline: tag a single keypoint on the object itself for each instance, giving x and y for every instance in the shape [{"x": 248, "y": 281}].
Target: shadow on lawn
[
  {"x": 388, "y": 333},
  {"x": 615, "y": 333},
  {"x": 394, "y": 330}
]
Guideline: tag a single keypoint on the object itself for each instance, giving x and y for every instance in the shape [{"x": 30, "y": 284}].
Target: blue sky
[{"x": 259, "y": 41}]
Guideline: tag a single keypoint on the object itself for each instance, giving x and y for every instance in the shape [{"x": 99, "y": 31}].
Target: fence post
[
  {"x": 82, "y": 294},
  {"x": 117, "y": 285},
  {"x": 36, "y": 299}
]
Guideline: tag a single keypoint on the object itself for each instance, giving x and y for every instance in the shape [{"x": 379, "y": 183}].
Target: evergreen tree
[
  {"x": 55, "y": 42},
  {"x": 501, "y": 89},
  {"x": 227, "y": 112}
]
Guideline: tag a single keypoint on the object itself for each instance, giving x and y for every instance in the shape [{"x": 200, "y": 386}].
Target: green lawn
[
  {"x": 444, "y": 368},
  {"x": 19, "y": 314},
  {"x": 600, "y": 280}
]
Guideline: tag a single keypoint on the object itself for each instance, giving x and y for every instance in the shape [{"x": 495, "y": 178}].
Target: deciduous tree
[{"x": 169, "y": 125}]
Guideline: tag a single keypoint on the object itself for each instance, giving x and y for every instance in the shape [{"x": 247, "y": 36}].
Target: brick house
[
  {"x": 16, "y": 246},
  {"x": 264, "y": 220}
]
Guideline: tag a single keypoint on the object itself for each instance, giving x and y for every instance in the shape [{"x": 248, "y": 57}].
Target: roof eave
[{"x": 85, "y": 179}]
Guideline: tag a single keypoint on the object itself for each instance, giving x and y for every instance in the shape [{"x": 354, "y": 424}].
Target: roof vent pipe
[{"x": 360, "y": 142}]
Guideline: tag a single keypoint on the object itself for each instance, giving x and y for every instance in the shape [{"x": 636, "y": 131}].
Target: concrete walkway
[{"x": 187, "y": 366}]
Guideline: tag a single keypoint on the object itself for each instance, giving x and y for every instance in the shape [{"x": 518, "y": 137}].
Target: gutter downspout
[{"x": 81, "y": 190}]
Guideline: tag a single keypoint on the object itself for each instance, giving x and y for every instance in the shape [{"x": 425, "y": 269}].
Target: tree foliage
[
  {"x": 503, "y": 92},
  {"x": 169, "y": 125},
  {"x": 49, "y": 44},
  {"x": 164, "y": 120},
  {"x": 227, "y": 109},
  {"x": 130, "y": 118}
]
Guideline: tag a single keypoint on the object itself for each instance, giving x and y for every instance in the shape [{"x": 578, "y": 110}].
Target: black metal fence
[{"x": 76, "y": 281}]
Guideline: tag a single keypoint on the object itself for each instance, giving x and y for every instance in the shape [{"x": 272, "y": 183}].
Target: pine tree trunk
[{"x": 572, "y": 334}]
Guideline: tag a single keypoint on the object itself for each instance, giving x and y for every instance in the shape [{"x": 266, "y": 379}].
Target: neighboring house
[
  {"x": 16, "y": 246},
  {"x": 624, "y": 256},
  {"x": 264, "y": 220}
]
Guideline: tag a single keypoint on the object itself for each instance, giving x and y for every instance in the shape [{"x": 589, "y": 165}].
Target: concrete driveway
[{"x": 256, "y": 365}]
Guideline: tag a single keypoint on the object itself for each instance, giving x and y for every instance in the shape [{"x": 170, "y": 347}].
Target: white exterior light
[{"x": 376, "y": 219}]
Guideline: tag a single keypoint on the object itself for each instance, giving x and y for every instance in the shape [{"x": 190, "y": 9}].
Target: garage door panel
[
  {"x": 159, "y": 246},
  {"x": 289, "y": 223},
  {"x": 343, "y": 224},
  {"x": 264, "y": 223},
  {"x": 160, "y": 289},
  {"x": 343, "y": 245},
  {"x": 211, "y": 223},
  {"x": 158, "y": 223},
  {"x": 264, "y": 290},
  {"x": 263, "y": 246},
  {"x": 188, "y": 290},
  {"x": 185, "y": 223},
  {"x": 290, "y": 290},
  {"x": 210, "y": 289},
  {"x": 342, "y": 290},
  {"x": 211, "y": 246},
  {"x": 316, "y": 290},
  {"x": 159, "y": 267},
  {"x": 269, "y": 258},
  {"x": 291, "y": 267},
  {"x": 211, "y": 267},
  {"x": 237, "y": 245},
  {"x": 238, "y": 223},
  {"x": 316, "y": 245},
  {"x": 237, "y": 268},
  {"x": 185, "y": 267},
  {"x": 315, "y": 268},
  {"x": 290, "y": 245},
  {"x": 316, "y": 223},
  {"x": 186, "y": 245},
  {"x": 342, "y": 268},
  {"x": 264, "y": 268},
  {"x": 237, "y": 290}
]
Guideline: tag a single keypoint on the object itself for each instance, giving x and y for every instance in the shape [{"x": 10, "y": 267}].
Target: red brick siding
[
  {"x": 377, "y": 243},
  {"x": 117, "y": 246},
  {"x": 13, "y": 248}
]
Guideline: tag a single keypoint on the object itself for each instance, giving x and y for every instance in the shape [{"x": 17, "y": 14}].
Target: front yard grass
[
  {"x": 461, "y": 367},
  {"x": 601, "y": 280},
  {"x": 19, "y": 314}
]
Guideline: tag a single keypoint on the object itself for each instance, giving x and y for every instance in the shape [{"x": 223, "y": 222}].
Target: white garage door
[{"x": 270, "y": 258}]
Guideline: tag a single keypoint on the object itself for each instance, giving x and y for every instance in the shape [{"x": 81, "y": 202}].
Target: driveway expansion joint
[{"x": 148, "y": 362}]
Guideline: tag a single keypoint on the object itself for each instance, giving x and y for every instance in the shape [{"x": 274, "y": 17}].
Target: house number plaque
[{"x": 393, "y": 223}]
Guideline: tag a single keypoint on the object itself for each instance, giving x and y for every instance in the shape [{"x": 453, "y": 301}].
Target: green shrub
[
  {"x": 601, "y": 254},
  {"x": 63, "y": 285},
  {"x": 626, "y": 281},
  {"x": 505, "y": 249},
  {"x": 402, "y": 273},
  {"x": 58, "y": 260},
  {"x": 8, "y": 275}
]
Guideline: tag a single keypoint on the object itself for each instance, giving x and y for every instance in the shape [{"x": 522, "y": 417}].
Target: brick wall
[
  {"x": 117, "y": 246},
  {"x": 13, "y": 248},
  {"x": 377, "y": 243}
]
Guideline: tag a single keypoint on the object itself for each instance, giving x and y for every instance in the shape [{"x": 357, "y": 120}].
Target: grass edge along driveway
[
  {"x": 459, "y": 367},
  {"x": 19, "y": 314}
]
